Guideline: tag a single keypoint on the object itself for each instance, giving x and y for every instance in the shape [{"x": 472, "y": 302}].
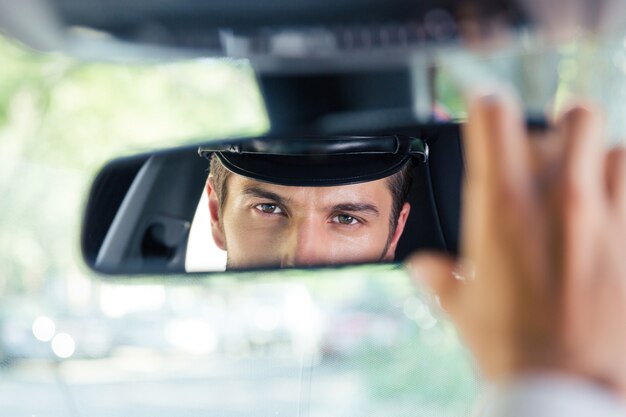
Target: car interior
[
  {"x": 153, "y": 336},
  {"x": 329, "y": 68}
]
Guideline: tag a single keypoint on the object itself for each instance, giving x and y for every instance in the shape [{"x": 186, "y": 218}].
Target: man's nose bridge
[{"x": 305, "y": 241}]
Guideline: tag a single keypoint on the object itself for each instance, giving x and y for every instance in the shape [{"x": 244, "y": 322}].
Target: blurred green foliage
[{"x": 61, "y": 119}]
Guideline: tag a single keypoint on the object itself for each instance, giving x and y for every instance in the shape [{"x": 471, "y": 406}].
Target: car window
[
  {"x": 354, "y": 341},
  {"x": 335, "y": 343}
]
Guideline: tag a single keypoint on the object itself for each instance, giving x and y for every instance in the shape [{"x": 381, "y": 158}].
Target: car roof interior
[{"x": 203, "y": 25}]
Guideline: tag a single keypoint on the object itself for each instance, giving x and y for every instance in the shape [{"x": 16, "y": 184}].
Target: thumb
[{"x": 434, "y": 272}]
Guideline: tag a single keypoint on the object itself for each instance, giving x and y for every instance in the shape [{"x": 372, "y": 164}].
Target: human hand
[{"x": 544, "y": 233}]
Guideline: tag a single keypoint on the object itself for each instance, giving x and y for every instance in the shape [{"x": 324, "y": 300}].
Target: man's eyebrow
[
  {"x": 366, "y": 208},
  {"x": 255, "y": 191}
]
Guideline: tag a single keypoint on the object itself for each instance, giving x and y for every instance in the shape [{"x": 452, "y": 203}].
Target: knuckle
[{"x": 578, "y": 115}]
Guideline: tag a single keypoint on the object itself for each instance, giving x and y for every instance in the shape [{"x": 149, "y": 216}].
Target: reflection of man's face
[{"x": 266, "y": 224}]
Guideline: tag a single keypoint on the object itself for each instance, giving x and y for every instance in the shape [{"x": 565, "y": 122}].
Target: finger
[
  {"x": 497, "y": 168},
  {"x": 436, "y": 274},
  {"x": 583, "y": 196},
  {"x": 495, "y": 144},
  {"x": 616, "y": 180},
  {"x": 581, "y": 129}
]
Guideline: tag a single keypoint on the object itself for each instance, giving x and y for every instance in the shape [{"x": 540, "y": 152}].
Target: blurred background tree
[{"x": 61, "y": 119}]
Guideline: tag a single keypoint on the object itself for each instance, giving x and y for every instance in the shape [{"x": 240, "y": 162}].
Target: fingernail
[
  {"x": 423, "y": 290},
  {"x": 464, "y": 271}
]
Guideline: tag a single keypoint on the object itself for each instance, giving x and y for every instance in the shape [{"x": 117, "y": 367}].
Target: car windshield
[{"x": 355, "y": 341}]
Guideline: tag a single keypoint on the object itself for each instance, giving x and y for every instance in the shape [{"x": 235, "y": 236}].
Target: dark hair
[
  {"x": 399, "y": 185},
  {"x": 219, "y": 175}
]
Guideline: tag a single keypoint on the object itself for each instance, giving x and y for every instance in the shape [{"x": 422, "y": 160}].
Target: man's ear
[
  {"x": 391, "y": 249},
  {"x": 214, "y": 211}
]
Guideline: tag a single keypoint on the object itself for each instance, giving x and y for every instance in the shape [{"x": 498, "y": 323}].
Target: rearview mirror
[{"x": 276, "y": 202}]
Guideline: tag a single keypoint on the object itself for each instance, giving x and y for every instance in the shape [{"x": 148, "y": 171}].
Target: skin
[
  {"x": 543, "y": 238},
  {"x": 265, "y": 224}
]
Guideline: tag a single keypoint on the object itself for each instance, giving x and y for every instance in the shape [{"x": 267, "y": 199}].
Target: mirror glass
[
  {"x": 324, "y": 201},
  {"x": 276, "y": 203}
]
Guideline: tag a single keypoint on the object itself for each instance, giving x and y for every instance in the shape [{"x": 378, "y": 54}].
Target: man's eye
[
  {"x": 345, "y": 219},
  {"x": 268, "y": 208}
]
